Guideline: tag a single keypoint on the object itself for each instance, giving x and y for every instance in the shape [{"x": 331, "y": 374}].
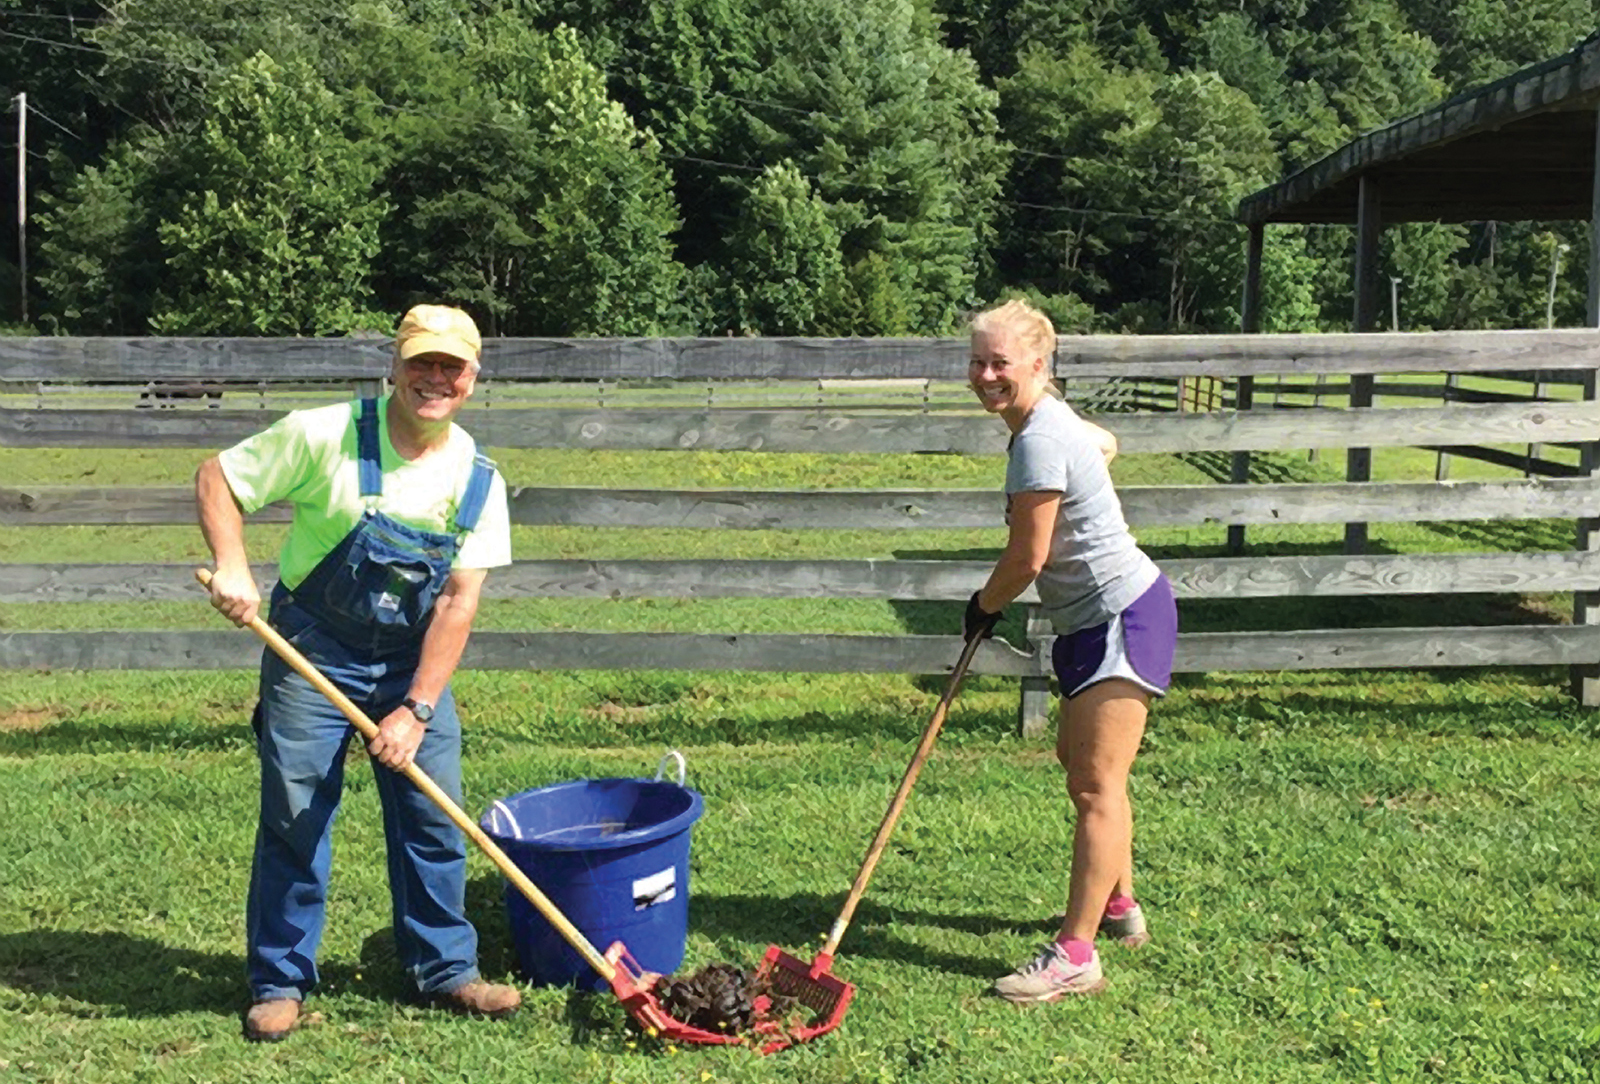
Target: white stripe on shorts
[{"x": 1115, "y": 664}]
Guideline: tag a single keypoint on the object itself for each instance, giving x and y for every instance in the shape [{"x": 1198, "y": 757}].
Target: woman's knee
[{"x": 1092, "y": 790}]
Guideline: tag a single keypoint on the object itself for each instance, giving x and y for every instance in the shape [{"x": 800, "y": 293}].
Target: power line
[
  {"x": 35, "y": 111},
  {"x": 172, "y": 65},
  {"x": 31, "y": 153},
  {"x": 610, "y": 73}
]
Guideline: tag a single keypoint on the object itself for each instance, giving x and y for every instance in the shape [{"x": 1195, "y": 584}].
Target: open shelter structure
[{"x": 1522, "y": 148}]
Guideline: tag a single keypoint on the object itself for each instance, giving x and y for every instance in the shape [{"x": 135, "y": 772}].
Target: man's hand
[
  {"x": 399, "y": 737},
  {"x": 235, "y": 595}
]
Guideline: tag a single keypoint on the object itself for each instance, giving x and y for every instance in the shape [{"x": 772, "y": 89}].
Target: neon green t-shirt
[{"x": 309, "y": 458}]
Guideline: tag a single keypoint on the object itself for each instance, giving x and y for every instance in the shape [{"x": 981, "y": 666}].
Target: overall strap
[
  {"x": 477, "y": 493},
  {"x": 367, "y": 448}
]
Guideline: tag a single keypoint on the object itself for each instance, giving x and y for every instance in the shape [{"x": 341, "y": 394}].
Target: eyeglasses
[{"x": 423, "y": 365}]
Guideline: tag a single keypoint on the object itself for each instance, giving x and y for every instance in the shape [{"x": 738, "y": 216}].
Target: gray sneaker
[
  {"x": 1049, "y": 976},
  {"x": 1129, "y": 928}
]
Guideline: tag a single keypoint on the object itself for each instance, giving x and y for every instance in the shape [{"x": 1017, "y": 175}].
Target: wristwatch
[{"x": 421, "y": 709}]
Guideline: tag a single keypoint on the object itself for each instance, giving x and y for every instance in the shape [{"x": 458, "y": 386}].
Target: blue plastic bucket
[{"x": 613, "y": 856}]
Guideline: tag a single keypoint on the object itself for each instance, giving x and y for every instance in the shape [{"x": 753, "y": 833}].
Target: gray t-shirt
[{"x": 1095, "y": 569}]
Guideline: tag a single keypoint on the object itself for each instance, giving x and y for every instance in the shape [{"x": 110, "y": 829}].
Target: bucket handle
[{"x": 661, "y": 769}]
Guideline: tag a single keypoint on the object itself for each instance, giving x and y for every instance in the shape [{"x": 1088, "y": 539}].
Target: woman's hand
[
  {"x": 978, "y": 623},
  {"x": 1104, "y": 440}
]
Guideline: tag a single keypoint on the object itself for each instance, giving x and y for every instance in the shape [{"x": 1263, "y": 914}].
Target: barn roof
[{"x": 1520, "y": 148}]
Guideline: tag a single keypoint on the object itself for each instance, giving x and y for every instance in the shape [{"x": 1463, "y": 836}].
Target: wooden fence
[
  {"x": 897, "y": 396},
  {"x": 1512, "y": 387}
]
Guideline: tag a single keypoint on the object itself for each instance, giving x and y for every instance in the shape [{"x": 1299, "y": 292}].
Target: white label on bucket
[{"x": 656, "y": 888}]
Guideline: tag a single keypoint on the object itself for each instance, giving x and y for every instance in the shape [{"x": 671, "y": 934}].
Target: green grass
[{"x": 1350, "y": 876}]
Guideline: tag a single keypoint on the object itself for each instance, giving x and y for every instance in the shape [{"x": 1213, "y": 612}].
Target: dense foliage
[{"x": 779, "y": 167}]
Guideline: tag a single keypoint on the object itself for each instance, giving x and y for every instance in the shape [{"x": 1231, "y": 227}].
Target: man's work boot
[
  {"x": 480, "y": 998},
  {"x": 272, "y": 1020}
]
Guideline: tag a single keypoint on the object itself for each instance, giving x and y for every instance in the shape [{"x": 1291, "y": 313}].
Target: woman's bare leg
[{"x": 1097, "y": 740}]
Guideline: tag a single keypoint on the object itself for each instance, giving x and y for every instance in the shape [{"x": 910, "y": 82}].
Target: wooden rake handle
[
  {"x": 302, "y": 666},
  {"x": 886, "y": 828}
]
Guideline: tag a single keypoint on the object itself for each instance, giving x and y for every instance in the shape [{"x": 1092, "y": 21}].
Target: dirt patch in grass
[
  {"x": 27, "y": 718},
  {"x": 621, "y": 713}
]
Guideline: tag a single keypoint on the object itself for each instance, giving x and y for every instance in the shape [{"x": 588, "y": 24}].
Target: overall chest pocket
[{"x": 390, "y": 575}]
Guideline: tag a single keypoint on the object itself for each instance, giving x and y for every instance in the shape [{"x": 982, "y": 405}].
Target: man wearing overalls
[{"x": 397, "y": 519}]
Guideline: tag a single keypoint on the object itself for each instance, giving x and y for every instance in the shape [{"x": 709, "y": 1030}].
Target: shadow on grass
[
  {"x": 380, "y": 962},
  {"x": 106, "y": 973},
  {"x": 677, "y": 724},
  {"x": 1235, "y": 706},
  {"x": 75, "y": 736},
  {"x": 1362, "y": 612},
  {"x": 793, "y": 921},
  {"x": 591, "y": 1018},
  {"x": 790, "y": 920},
  {"x": 103, "y": 973},
  {"x": 1509, "y": 535}
]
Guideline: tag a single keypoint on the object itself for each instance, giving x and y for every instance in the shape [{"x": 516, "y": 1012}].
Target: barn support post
[
  {"x": 1244, "y": 386},
  {"x": 1585, "y": 677},
  {"x": 1369, "y": 228}
]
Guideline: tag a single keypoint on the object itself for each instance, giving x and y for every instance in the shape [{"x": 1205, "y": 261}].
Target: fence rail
[{"x": 884, "y": 430}]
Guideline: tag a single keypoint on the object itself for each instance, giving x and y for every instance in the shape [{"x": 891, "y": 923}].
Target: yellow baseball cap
[{"x": 438, "y": 329}]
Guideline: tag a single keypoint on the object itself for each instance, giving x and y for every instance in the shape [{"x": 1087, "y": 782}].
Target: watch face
[{"x": 423, "y": 712}]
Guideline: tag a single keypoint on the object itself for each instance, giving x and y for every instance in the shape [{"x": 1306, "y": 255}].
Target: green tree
[
  {"x": 1065, "y": 112},
  {"x": 160, "y": 57},
  {"x": 1481, "y": 40},
  {"x": 1209, "y": 148},
  {"x": 1423, "y": 256},
  {"x": 99, "y": 253},
  {"x": 1146, "y": 171},
  {"x": 1288, "y": 282},
  {"x": 1373, "y": 66},
  {"x": 524, "y": 189},
  {"x": 892, "y": 129},
  {"x": 278, "y": 228},
  {"x": 783, "y": 266}
]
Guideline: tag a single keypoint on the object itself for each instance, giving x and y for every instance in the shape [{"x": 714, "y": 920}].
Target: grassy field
[{"x": 1350, "y": 877}]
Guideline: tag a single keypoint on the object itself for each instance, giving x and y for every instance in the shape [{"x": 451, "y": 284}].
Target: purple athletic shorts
[{"x": 1137, "y": 645}]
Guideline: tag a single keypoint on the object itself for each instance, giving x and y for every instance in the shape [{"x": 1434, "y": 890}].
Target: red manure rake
[{"x": 813, "y": 984}]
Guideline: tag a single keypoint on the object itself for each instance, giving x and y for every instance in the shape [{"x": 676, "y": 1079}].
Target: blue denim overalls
[{"x": 359, "y": 617}]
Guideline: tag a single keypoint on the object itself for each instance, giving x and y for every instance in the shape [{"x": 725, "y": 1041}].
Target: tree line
[{"x": 711, "y": 167}]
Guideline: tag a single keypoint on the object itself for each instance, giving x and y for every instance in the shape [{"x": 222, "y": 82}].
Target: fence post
[
  {"x": 1369, "y": 228},
  {"x": 1585, "y": 677},
  {"x": 1245, "y": 386},
  {"x": 1033, "y": 708},
  {"x": 1441, "y": 464},
  {"x": 1541, "y": 391}
]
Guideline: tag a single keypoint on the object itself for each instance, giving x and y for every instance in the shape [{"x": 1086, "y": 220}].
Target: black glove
[{"x": 978, "y": 623}]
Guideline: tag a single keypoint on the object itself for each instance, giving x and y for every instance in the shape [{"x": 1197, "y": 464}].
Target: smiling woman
[{"x": 1116, "y": 626}]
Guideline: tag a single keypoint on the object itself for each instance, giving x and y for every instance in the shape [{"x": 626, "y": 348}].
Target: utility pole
[
  {"x": 1550, "y": 297},
  {"x": 21, "y": 102},
  {"x": 1394, "y": 303}
]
